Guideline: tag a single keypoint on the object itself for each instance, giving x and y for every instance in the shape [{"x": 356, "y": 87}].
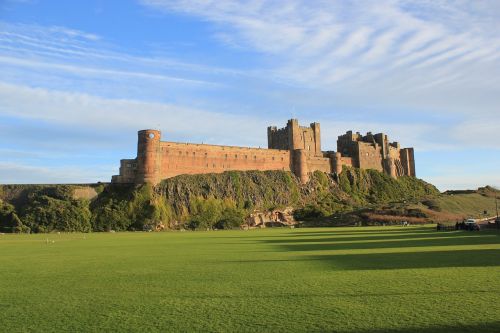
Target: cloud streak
[{"x": 335, "y": 44}]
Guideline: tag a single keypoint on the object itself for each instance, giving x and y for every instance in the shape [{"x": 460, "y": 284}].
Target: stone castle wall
[
  {"x": 188, "y": 158},
  {"x": 293, "y": 148}
]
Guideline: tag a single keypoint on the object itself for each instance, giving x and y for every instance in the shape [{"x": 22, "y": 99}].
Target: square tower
[{"x": 294, "y": 136}]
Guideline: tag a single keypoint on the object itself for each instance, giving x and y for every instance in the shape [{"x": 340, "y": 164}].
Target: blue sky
[{"x": 79, "y": 78}]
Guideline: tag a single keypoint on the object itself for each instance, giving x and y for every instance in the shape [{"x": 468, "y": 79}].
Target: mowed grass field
[{"x": 372, "y": 279}]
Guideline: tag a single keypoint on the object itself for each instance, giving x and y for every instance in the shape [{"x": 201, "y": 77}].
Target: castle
[{"x": 293, "y": 148}]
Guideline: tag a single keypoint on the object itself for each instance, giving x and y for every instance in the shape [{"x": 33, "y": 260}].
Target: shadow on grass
[
  {"x": 375, "y": 237},
  {"x": 382, "y": 242},
  {"x": 373, "y": 230},
  {"x": 399, "y": 260},
  {"x": 330, "y": 231},
  {"x": 487, "y": 327},
  {"x": 431, "y": 259},
  {"x": 437, "y": 256}
]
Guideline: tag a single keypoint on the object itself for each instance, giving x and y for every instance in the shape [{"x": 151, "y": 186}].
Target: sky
[{"x": 78, "y": 79}]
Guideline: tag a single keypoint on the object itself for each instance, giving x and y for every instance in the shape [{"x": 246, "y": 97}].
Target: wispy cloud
[
  {"x": 97, "y": 72},
  {"x": 356, "y": 46},
  {"x": 98, "y": 113},
  {"x": 26, "y": 50}
]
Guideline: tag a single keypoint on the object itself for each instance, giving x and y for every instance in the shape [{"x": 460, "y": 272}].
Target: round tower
[
  {"x": 338, "y": 163},
  {"x": 148, "y": 157},
  {"x": 300, "y": 168},
  {"x": 392, "y": 167}
]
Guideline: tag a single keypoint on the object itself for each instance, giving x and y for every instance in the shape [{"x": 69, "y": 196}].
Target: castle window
[
  {"x": 194, "y": 153},
  {"x": 308, "y": 147},
  {"x": 282, "y": 158},
  {"x": 206, "y": 154},
  {"x": 273, "y": 158},
  {"x": 226, "y": 156},
  {"x": 255, "y": 157},
  {"x": 180, "y": 153},
  {"x": 246, "y": 156},
  {"x": 235, "y": 156},
  {"x": 213, "y": 165}
]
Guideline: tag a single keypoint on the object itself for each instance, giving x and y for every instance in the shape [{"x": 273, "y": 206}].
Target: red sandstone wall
[
  {"x": 319, "y": 163},
  {"x": 188, "y": 158},
  {"x": 346, "y": 161}
]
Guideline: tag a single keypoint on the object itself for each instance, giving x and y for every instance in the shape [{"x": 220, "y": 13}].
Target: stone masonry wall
[{"x": 188, "y": 158}]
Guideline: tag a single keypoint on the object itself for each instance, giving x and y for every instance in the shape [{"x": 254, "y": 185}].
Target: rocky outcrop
[{"x": 277, "y": 217}]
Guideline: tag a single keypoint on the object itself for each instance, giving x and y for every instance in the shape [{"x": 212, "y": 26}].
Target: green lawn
[{"x": 372, "y": 279}]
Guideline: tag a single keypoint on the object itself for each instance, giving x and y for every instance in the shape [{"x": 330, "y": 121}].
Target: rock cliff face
[{"x": 263, "y": 190}]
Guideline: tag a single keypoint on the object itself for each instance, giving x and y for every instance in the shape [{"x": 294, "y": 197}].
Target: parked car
[{"x": 471, "y": 224}]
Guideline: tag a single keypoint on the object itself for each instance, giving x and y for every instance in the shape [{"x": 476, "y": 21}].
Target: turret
[
  {"x": 294, "y": 135},
  {"x": 391, "y": 167},
  {"x": 300, "y": 168},
  {"x": 148, "y": 157},
  {"x": 270, "y": 139},
  {"x": 338, "y": 163}
]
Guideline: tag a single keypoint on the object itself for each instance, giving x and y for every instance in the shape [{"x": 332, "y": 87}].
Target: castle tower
[
  {"x": 338, "y": 163},
  {"x": 300, "y": 168},
  {"x": 317, "y": 138},
  {"x": 408, "y": 161},
  {"x": 271, "y": 130},
  {"x": 391, "y": 167},
  {"x": 148, "y": 157},
  {"x": 294, "y": 135}
]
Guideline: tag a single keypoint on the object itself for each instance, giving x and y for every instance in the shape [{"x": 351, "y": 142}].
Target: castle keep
[{"x": 294, "y": 148}]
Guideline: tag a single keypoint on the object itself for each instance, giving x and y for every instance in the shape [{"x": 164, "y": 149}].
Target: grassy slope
[
  {"x": 344, "y": 280},
  {"x": 472, "y": 204}
]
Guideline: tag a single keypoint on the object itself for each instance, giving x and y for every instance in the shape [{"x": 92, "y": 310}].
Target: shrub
[
  {"x": 46, "y": 214},
  {"x": 231, "y": 218},
  {"x": 205, "y": 213},
  {"x": 311, "y": 211},
  {"x": 9, "y": 221},
  {"x": 432, "y": 204}
]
